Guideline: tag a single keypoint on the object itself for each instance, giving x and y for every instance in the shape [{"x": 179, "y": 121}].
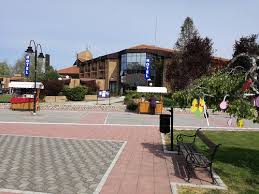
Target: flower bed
[{"x": 17, "y": 100}]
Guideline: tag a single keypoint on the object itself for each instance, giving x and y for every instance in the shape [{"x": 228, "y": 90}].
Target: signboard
[
  {"x": 147, "y": 69},
  {"x": 27, "y": 66},
  {"x": 148, "y": 89},
  {"x": 103, "y": 94}
]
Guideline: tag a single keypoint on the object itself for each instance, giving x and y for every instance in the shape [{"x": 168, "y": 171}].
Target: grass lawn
[
  {"x": 236, "y": 162},
  {"x": 5, "y": 98}
]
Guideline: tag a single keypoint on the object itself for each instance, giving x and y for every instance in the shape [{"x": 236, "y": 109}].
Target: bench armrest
[{"x": 180, "y": 137}]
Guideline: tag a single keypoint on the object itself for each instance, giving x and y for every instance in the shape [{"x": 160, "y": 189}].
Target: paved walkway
[
  {"x": 54, "y": 165},
  {"x": 138, "y": 170},
  {"x": 142, "y": 166},
  {"x": 182, "y": 120}
]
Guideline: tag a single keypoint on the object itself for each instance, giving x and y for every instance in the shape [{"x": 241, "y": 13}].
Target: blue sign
[
  {"x": 27, "y": 66},
  {"x": 103, "y": 94},
  {"x": 147, "y": 69}
]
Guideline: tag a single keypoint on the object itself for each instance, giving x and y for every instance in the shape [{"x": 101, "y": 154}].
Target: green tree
[
  {"x": 229, "y": 81},
  {"x": 188, "y": 31},
  {"x": 50, "y": 72},
  {"x": 196, "y": 58},
  {"x": 193, "y": 62},
  {"x": 245, "y": 45},
  {"x": 52, "y": 87},
  {"x": 217, "y": 86},
  {"x": 18, "y": 68},
  {"x": 5, "y": 69}
]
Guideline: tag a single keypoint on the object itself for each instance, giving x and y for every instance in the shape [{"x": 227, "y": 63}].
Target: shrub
[
  {"x": 242, "y": 108},
  {"x": 168, "y": 102},
  {"x": 132, "y": 106},
  {"x": 182, "y": 98},
  {"x": 75, "y": 94},
  {"x": 137, "y": 95},
  {"x": 5, "y": 98},
  {"x": 52, "y": 87}
]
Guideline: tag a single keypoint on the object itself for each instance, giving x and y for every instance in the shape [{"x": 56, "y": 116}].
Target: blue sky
[{"x": 64, "y": 27}]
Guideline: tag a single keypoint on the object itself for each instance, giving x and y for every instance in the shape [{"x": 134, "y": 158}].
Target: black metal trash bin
[{"x": 165, "y": 123}]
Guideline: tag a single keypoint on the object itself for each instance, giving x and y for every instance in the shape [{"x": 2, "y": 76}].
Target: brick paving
[
  {"x": 53, "y": 165},
  {"x": 142, "y": 167}
]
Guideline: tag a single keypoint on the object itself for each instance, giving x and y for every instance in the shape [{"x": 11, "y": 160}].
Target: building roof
[
  {"x": 221, "y": 59},
  {"x": 152, "y": 47},
  {"x": 69, "y": 70},
  {"x": 165, "y": 52}
]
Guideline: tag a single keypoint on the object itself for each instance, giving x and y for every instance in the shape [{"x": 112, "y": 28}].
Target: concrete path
[{"x": 182, "y": 120}]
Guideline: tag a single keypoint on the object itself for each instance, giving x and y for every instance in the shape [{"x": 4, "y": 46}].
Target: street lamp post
[{"x": 41, "y": 56}]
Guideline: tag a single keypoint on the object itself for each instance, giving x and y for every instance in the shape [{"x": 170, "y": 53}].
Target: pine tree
[{"x": 188, "y": 31}]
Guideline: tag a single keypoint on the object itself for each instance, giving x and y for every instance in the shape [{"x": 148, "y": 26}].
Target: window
[{"x": 133, "y": 68}]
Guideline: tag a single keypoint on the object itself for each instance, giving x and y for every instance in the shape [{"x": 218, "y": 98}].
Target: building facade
[{"x": 126, "y": 69}]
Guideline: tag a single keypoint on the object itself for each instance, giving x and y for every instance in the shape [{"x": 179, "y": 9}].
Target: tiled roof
[
  {"x": 152, "y": 47},
  {"x": 69, "y": 70},
  {"x": 157, "y": 48},
  {"x": 221, "y": 59},
  {"x": 166, "y": 52}
]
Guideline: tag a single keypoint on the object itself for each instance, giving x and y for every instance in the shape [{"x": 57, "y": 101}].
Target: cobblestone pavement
[
  {"x": 75, "y": 107},
  {"x": 54, "y": 165}
]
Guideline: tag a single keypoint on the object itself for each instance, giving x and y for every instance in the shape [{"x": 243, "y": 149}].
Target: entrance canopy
[
  {"x": 148, "y": 89},
  {"x": 39, "y": 85}
]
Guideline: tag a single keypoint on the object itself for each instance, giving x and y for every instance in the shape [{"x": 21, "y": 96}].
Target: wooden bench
[{"x": 193, "y": 156}]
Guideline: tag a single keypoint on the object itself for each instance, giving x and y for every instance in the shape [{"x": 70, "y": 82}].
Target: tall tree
[
  {"x": 197, "y": 57},
  {"x": 5, "y": 69},
  {"x": 245, "y": 45},
  {"x": 190, "y": 64},
  {"x": 188, "y": 31},
  {"x": 18, "y": 68}
]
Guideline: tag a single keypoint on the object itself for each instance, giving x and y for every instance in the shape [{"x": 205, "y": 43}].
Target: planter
[
  {"x": 22, "y": 103},
  {"x": 55, "y": 99},
  {"x": 90, "y": 97}
]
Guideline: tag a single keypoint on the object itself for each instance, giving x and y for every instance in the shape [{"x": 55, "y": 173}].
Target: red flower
[{"x": 247, "y": 85}]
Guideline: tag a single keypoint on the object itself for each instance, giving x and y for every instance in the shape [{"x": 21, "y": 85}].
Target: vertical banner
[
  {"x": 147, "y": 69},
  {"x": 27, "y": 66}
]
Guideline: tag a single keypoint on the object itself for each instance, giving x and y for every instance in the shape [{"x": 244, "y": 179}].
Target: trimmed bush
[
  {"x": 132, "y": 106},
  {"x": 137, "y": 95},
  {"x": 75, "y": 94},
  {"x": 168, "y": 102},
  {"x": 5, "y": 98}
]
